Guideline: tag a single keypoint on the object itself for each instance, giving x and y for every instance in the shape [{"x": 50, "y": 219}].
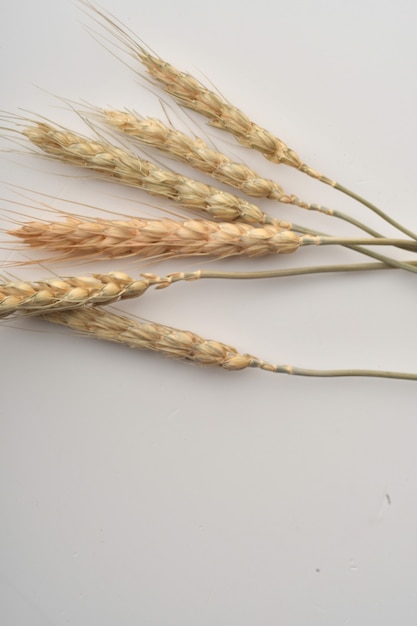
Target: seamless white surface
[{"x": 139, "y": 490}]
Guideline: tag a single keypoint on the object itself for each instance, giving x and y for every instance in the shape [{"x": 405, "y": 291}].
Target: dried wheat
[
  {"x": 70, "y": 292},
  {"x": 156, "y": 238},
  {"x": 183, "y": 344},
  {"x": 195, "y": 152},
  {"x": 192, "y": 94},
  {"x": 115, "y": 163}
]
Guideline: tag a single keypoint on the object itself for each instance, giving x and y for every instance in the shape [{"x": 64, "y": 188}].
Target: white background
[{"x": 138, "y": 490}]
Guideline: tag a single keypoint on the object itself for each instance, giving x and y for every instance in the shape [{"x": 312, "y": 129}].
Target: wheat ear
[
  {"x": 156, "y": 238},
  {"x": 114, "y": 163},
  {"x": 166, "y": 238},
  {"x": 26, "y": 297},
  {"x": 196, "y": 153},
  {"x": 185, "y": 345},
  {"x": 71, "y": 292}
]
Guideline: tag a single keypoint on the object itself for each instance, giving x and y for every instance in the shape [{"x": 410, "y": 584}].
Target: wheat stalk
[
  {"x": 114, "y": 163},
  {"x": 186, "y": 345}
]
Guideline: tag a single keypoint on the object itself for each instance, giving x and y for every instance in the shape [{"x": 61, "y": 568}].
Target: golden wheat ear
[
  {"x": 167, "y": 238},
  {"x": 127, "y": 168},
  {"x": 25, "y": 298},
  {"x": 186, "y": 345},
  {"x": 153, "y": 238}
]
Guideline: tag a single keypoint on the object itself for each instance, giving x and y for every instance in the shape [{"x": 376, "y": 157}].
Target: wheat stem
[{"x": 186, "y": 345}]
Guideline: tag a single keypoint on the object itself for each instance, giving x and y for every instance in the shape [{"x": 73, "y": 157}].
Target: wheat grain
[
  {"x": 115, "y": 163},
  {"x": 184, "y": 344},
  {"x": 156, "y": 238}
]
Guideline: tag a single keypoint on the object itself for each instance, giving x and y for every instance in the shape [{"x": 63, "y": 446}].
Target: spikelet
[
  {"x": 164, "y": 238},
  {"x": 114, "y": 163}
]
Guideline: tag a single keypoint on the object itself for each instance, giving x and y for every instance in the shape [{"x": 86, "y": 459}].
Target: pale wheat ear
[
  {"x": 124, "y": 167},
  {"x": 159, "y": 239},
  {"x": 153, "y": 238},
  {"x": 186, "y": 345}
]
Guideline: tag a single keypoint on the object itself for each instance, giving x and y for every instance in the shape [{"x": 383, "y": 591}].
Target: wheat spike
[
  {"x": 195, "y": 152},
  {"x": 184, "y": 344},
  {"x": 169, "y": 341},
  {"x": 194, "y": 95},
  {"x": 113, "y": 162},
  {"x": 156, "y": 238},
  {"x": 62, "y": 293},
  {"x": 166, "y": 238},
  {"x": 59, "y": 293}
]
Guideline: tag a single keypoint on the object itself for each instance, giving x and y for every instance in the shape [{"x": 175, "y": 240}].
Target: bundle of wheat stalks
[{"x": 228, "y": 225}]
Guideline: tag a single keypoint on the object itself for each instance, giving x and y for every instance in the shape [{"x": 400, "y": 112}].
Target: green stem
[
  {"x": 291, "y": 271},
  {"x": 348, "y": 192},
  {"x": 376, "y": 210},
  {"x": 406, "y": 266},
  {"x": 300, "y": 371},
  {"x": 348, "y": 241}
]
